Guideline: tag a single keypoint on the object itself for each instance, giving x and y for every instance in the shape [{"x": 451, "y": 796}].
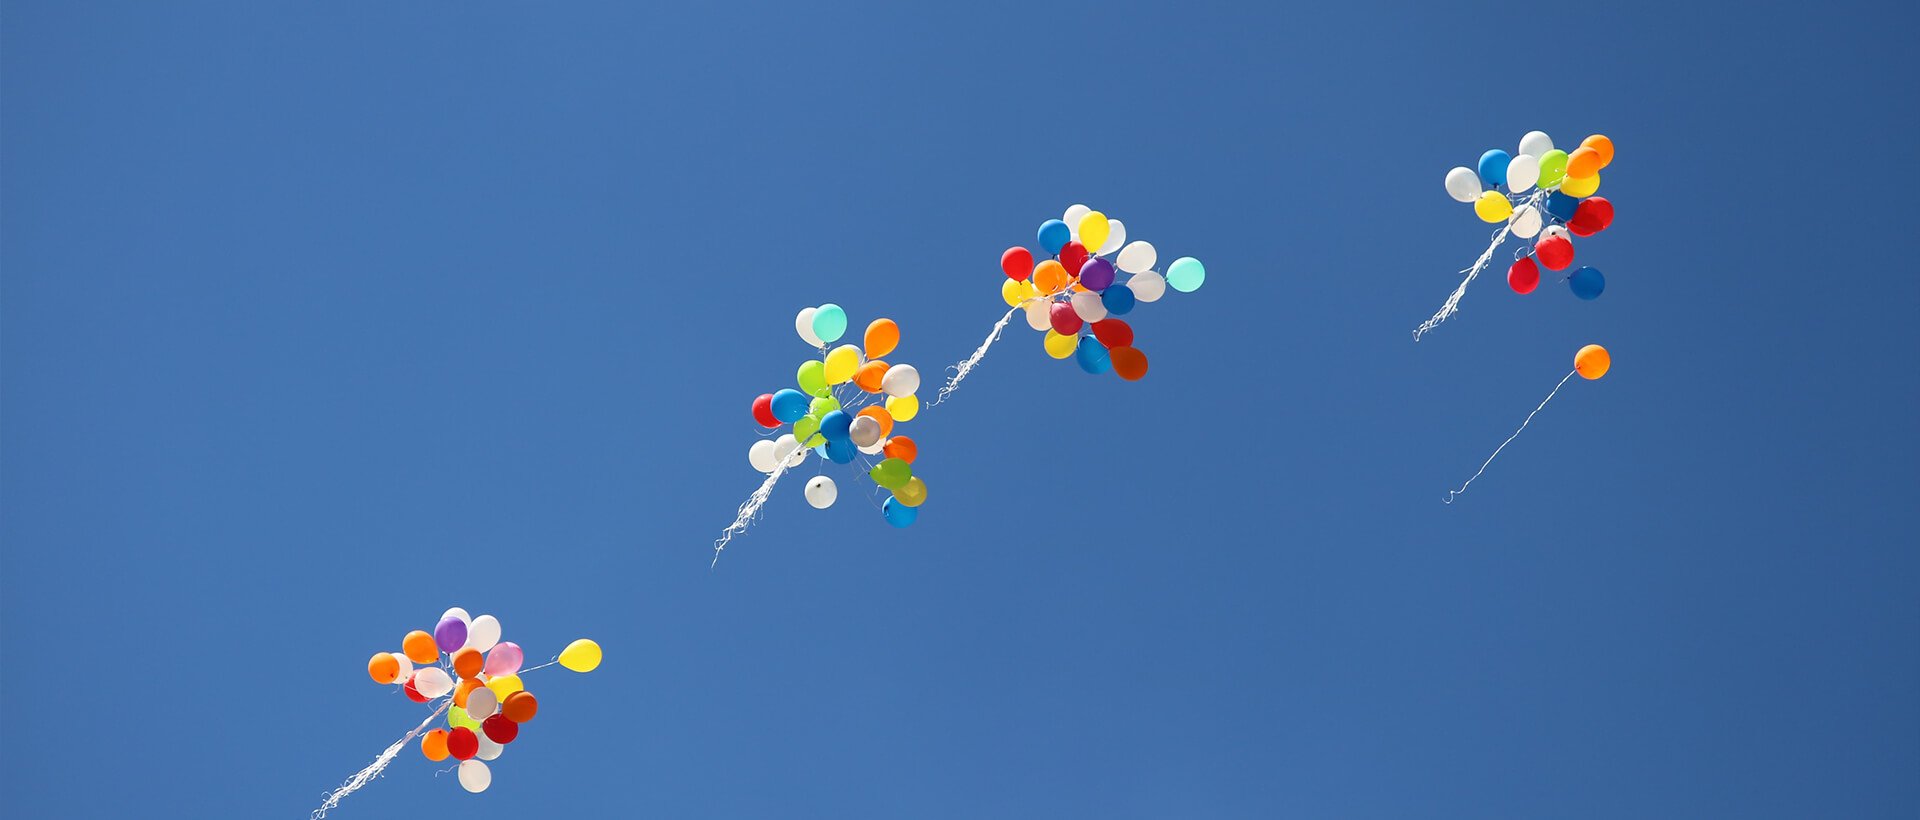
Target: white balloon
[
  {"x": 1039, "y": 316},
  {"x": 482, "y": 706},
  {"x": 761, "y": 456},
  {"x": 1522, "y": 172},
  {"x": 900, "y": 380},
  {"x": 1463, "y": 184},
  {"x": 821, "y": 492},
  {"x": 1137, "y": 257},
  {"x": 1072, "y": 217},
  {"x": 483, "y": 633},
  {"x": 1088, "y": 305},
  {"x": 406, "y": 667},
  {"x": 787, "y": 447},
  {"x": 803, "y": 324},
  {"x": 1555, "y": 230},
  {"x": 875, "y": 448},
  {"x": 475, "y": 776},
  {"x": 489, "y": 750},
  {"x": 1148, "y": 287},
  {"x": 864, "y": 431},
  {"x": 1526, "y": 221},
  {"x": 1116, "y": 236},
  {"x": 457, "y": 612},
  {"x": 431, "y": 682},
  {"x": 1536, "y": 143}
]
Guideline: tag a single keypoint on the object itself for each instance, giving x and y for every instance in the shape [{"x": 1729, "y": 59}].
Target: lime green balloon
[
  {"x": 891, "y": 473},
  {"x": 458, "y": 717},
  {"x": 1553, "y": 168},
  {"x": 822, "y": 406},
  {"x": 813, "y": 377},
  {"x": 806, "y": 429}
]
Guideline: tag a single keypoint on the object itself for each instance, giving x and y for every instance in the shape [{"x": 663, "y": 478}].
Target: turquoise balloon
[
  {"x": 1186, "y": 274},
  {"x": 829, "y": 322},
  {"x": 898, "y": 514}
]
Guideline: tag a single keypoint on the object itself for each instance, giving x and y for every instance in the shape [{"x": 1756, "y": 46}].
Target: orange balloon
[
  {"x": 1602, "y": 146},
  {"x": 468, "y": 662},
  {"x": 1128, "y": 363},
  {"x": 384, "y": 667},
  {"x": 434, "y": 745},
  {"x": 869, "y": 375},
  {"x": 520, "y": 706},
  {"x": 882, "y": 337},
  {"x": 464, "y": 688},
  {"x": 881, "y": 415},
  {"x": 1592, "y": 362},
  {"x": 1583, "y": 163},
  {"x": 1050, "y": 276},
  {"x": 902, "y": 448},
  {"x": 419, "y": 647},
  {"x": 1079, "y": 288}
]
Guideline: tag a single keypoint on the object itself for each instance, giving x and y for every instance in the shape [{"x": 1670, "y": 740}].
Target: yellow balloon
[
  {"x": 903, "y": 408},
  {"x": 581, "y": 656},
  {"x": 1059, "y": 346},
  {"x": 1015, "y": 292},
  {"x": 842, "y": 363},
  {"x": 913, "y": 493},
  {"x": 458, "y": 717},
  {"x": 1093, "y": 231},
  {"x": 504, "y": 685},
  {"x": 1493, "y": 206},
  {"x": 1581, "y": 187}
]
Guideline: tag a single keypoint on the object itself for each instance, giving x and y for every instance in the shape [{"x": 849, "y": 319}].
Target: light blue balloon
[
  {"x": 1587, "y": 283},
  {"x": 898, "y": 514},
  {"x": 1055, "y": 235},
  {"x": 1493, "y": 167},
  {"x": 789, "y": 405},
  {"x": 1186, "y": 274},
  {"x": 1092, "y": 355},
  {"x": 829, "y": 322}
]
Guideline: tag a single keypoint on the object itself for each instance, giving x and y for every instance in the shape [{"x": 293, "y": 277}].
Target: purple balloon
[
  {"x": 504, "y": 659},
  {"x": 450, "y": 634},
  {"x": 1097, "y": 274}
]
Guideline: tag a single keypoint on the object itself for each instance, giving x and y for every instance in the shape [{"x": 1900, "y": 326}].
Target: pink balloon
[{"x": 504, "y": 659}]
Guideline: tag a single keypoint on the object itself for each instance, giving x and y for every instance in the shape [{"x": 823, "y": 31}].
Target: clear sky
[{"x": 317, "y": 319}]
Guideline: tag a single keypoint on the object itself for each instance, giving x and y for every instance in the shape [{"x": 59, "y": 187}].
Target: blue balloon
[
  {"x": 1561, "y": 207},
  {"x": 1092, "y": 356},
  {"x": 1587, "y": 283},
  {"x": 790, "y": 405},
  {"x": 1054, "y": 235},
  {"x": 898, "y": 514},
  {"x": 1118, "y": 299},
  {"x": 834, "y": 425},
  {"x": 1493, "y": 167},
  {"x": 839, "y": 450}
]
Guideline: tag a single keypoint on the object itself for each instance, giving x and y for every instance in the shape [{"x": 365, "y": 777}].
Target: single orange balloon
[
  {"x": 468, "y": 662},
  {"x": 434, "y": 745},
  {"x": 902, "y": 448},
  {"x": 882, "y": 337},
  {"x": 1592, "y": 361},
  {"x": 384, "y": 667},
  {"x": 1050, "y": 276},
  {"x": 881, "y": 415},
  {"x": 1601, "y": 145},
  {"x": 869, "y": 375},
  {"x": 1079, "y": 288},
  {"x": 1128, "y": 363},
  {"x": 520, "y": 706},
  {"x": 419, "y": 647},
  {"x": 464, "y": 688},
  {"x": 1583, "y": 163}
]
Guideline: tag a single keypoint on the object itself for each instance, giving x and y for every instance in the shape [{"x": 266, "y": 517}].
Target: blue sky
[{"x": 318, "y": 319}]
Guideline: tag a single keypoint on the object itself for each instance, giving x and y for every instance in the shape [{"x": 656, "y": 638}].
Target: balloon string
[
  {"x": 554, "y": 660},
  {"x": 1516, "y": 434},
  {"x": 1452, "y": 305},
  {"x": 751, "y": 507},
  {"x": 964, "y": 366},
  {"x": 379, "y": 764}
]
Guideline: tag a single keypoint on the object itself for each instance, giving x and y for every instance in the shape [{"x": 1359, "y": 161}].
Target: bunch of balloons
[
  {"x": 475, "y": 676},
  {"x": 1590, "y": 362},
  {"x": 1542, "y": 194}
]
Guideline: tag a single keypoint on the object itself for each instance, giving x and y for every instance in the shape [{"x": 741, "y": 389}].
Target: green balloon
[
  {"x": 1186, "y": 274},
  {"x": 891, "y": 473},
  {"x": 1553, "y": 168},
  {"x": 808, "y": 427},
  {"x": 822, "y": 406},
  {"x": 813, "y": 377},
  {"x": 458, "y": 717}
]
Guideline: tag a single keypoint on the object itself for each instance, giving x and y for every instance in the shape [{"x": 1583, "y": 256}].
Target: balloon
[
  {"x": 875, "y": 448},
  {"x": 1582, "y": 163},
  {"x": 803, "y": 325},
  {"x": 785, "y": 447},
  {"x": 1128, "y": 363},
  {"x": 468, "y": 661},
  {"x": 760, "y": 456},
  {"x": 1072, "y": 257},
  {"x": 462, "y": 744},
  {"x": 432, "y": 681},
  {"x": 1054, "y": 235},
  {"x": 1060, "y": 345},
  {"x": 450, "y": 634},
  {"x": 763, "y": 411},
  {"x": 898, "y": 513},
  {"x": 1051, "y": 277},
  {"x": 868, "y": 378},
  {"x": 383, "y": 668},
  {"x": 1493, "y": 167},
  {"x": 881, "y": 416},
  {"x": 1087, "y": 306},
  {"x": 489, "y": 750},
  {"x": 1074, "y": 214},
  {"x": 1553, "y": 168},
  {"x": 829, "y": 323},
  {"x": 821, "y": 492},
  {"x": 457, "y": 612},
  {"x": 1602, "y": 209},
  {"x": 499, "y": 729},
  {"x": 475, "y": 777},
  {"x": 1013, "y": 293},
  {"x": 903, "y": 448},
  {"x": 1523, "y": 276},
  {"x": 1592, "y": 362},
  {"x": 1113, "y": 333},
  {"x": 1602, "y": 146},
  {"x": 1536, "y": 143},
  {"x": 1526, "y": 221},
  {"x": 504, "y": 659},
  {"x": 1039, "y": 316},
  {"x": 1463, "y": 184},
  {"x": 1555, "y": 252},
  {"x": 807, "y": 430},
  {"x": 505, "y": 685},
  {"x": 839, "y": 451},
  {"x": 413, "y": 694},
  {"x": 821, "y": 406},
  {"x": 420, "y": 647},
  {"x": 1581, "y": 187},
  {"x": 405, "y": 672},
  {"x": 1137, "y": 257},
  {"x": 1562, "y": 206},
  {"x": 1097, "y": 274},
  {"x": 891, "y": 473},
  {"x": 835, "y": 425},
  {"x": 583, "y": 655},
  {"x": 434, "y": 745},
  {"x": 913, "y": 493},
  {"x": 1117, "y": 301},
  {"x": 789, "y": 405},
  {"x": 458, "y": 717},
  {"x": 812, "y": 377},
  {"x": 482, "y": 703},
  {"x": 1093, "y": 230},
  {"x": 463, "y": 691},
  {"x": 1587, "y": 283},
  {"x": 1552, "y": 231},
  {"x": 1591, "y": 217},
  {"x": 1063, "y": 318},
  {"x": 1147, "y": 287},
  {"x": 865, "y": 431},
  {"x": 1092, "y": 358},
  {"x": 1016, "y": 263},
  {"x": 901, "y": 380},
  {"x": 1493, "y": 207},
  {"x": 882, "y": 336},
  {"x": 903, "y": 408},
  {"x": 1522, "y": 172},
  {"x": 1116, "y": 237},
  {"x": 1186, "y": 274},
  {"x": 841, "y": 363}
]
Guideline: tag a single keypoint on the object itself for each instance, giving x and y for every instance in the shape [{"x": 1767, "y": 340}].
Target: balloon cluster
[
  {"x": 846, "y": 408},
  {"x": 490, "y": 703},
  {"x": 1544, "y": 194},
  {"x": 1077, "y": 288}
]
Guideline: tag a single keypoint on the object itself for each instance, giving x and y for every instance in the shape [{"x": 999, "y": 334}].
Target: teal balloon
[
  {"x": 898, "y": 514},
  {"x": 829, "y": 322},
  {"x": 1186, "y": 274}
]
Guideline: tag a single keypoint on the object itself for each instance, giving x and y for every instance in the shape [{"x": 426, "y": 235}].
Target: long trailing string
[
  {"x": 379, "y": 764},
  {"x": 1516, "y": 434},
  {"x": 751, "y": 507},
  {"x": 1452, "y": 304},
  {"x": 964, "y": 366}
]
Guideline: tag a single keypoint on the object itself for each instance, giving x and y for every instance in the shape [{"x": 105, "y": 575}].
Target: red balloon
[
  {"x": 1113, "y": 333},
  {"x": 1555, "y": 252},
  {"x": 1018, "y": 263},
  {"x": 462, "y": 744},
  {"x": 1065, "y": 321},
  {"x": 763, "y": 411},
  {"x": 1524, "y": 276},
  {"x": 1592, "y": 216},
  {"x": 415, "y": 693},
  {"x": 499, "y": 729},
  {"x": 1072, "y": 256}
]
